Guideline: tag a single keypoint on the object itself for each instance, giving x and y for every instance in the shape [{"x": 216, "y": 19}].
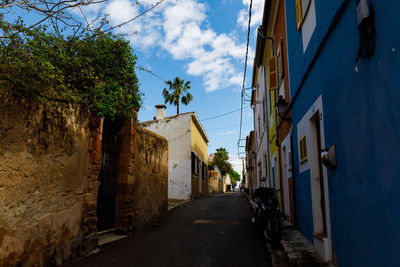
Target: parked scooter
[{"x": 267, "y": 212}]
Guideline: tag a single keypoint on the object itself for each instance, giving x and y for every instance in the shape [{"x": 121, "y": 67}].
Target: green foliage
[
  {"x": 235, "y": 177},
  {"x": 220, "y": 160},
  {"x": 97, "y": 69},
  {"x": 176, "y": 92}
]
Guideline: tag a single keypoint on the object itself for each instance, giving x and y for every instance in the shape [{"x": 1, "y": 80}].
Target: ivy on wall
[{"x": 95, "y": 68}]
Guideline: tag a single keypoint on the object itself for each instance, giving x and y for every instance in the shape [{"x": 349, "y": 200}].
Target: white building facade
[{"x": 179, "y": 131}]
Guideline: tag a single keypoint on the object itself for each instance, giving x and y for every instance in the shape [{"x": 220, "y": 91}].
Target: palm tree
[{"x": 176, "y": 92}]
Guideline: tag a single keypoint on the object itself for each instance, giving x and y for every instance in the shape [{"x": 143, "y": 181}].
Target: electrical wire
[
  {"x": 150, "y": 72},
  {"x": 132, "y": 19},
  {"x": 222, "y": 115},
  {"x": 244, "y": 74},
  {"x": 226, "y": 127}
]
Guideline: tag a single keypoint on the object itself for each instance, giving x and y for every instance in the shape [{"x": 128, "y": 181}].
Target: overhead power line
[
  {"x": 132, "y": 19},
  {"x": 226, "y": 127},
  {"x": 244, "y": 74},
  {"x": 150, "y": 72},
  {"x": 222, "y": 115}
]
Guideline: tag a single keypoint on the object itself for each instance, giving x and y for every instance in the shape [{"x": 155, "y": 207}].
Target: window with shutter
[
  {"x": 193, "y": 163},
  {"x": 273, "y": 73},
  {"x": 280, "y": 60}
]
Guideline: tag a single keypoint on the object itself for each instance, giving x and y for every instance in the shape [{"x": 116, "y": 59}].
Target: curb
[
  {"x": 295, "y": 249},
  {"x": 177, "y": 205}
]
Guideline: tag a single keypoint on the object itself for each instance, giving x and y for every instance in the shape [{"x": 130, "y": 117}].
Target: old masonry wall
[{"x": 49, "y": 163}]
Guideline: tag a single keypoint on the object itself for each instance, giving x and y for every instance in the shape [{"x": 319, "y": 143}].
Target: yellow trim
[
  {"x": 303, "y": 149},
  {"x": 299, "y": 14}
]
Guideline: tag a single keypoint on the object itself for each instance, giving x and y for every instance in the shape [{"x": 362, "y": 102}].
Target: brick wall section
[
  {"x": 149, "y": 176},
  {"x": 49, "y": 160},
  {"x": 89, "y": 216},
  {"x": 124, "y": 214}
]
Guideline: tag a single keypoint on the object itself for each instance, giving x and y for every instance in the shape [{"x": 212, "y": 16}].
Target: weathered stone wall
[
  {"x": 215, "y": 184},
  {"x": 149, "y": 176},
  {"x": 49, "y": 161}
]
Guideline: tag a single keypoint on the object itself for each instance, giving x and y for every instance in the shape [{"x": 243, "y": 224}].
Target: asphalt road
[{"x": 211, "y": 231}]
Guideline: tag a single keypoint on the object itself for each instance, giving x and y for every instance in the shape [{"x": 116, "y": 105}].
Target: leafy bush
[{"x": 95, "y": 69}]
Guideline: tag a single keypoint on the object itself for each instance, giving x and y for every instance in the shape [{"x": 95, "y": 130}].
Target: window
[
  {"x": 193, "y": 163},
  {"x": 302, "y": 7},
  {"x": 263, "y": 110},
  {"x": 273, "y": 73},
  {"x": 303, "y": 149},
  {"x": 279, "y": 56},
  {"x": 198, "y": 166},
  {"x": 196, "y": 163},
  {"x": 204, "y": 171}
]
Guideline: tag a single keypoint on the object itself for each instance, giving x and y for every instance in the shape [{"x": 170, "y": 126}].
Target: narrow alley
[{"x": 211, "y": 231}]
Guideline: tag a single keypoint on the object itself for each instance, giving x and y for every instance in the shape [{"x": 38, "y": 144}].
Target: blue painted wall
[{"x": 362, "y": 117}]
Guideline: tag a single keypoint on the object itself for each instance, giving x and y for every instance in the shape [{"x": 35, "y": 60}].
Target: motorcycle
[{"x": 267, "y": 212}]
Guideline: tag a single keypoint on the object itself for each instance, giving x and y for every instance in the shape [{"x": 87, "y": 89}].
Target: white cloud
[
  {"x": 227, "y": 133},
  {"x": 180, "y": 27},
  {"x": 256, "y": 14},
  {"x": 236, "y": 164}
]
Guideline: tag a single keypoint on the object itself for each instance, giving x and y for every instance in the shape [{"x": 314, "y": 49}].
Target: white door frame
[{"x": 306, "y": 127}]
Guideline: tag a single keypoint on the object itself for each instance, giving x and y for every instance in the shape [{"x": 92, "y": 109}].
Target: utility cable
[
  {"x": 150, "y": 72},
  {"x": 226, "y": 127},
  {"x": 222, "y": 115},
  {"x": 244, "y": 74},
  {"x": 132, "y": 19}
]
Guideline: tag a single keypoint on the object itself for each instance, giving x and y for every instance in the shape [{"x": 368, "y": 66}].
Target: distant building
[
  {"x": 216, "y": 183},
  {"x": 187, "y": 152}
]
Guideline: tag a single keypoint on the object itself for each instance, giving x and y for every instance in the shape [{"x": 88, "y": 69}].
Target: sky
[{"x": 200, "y": 41}]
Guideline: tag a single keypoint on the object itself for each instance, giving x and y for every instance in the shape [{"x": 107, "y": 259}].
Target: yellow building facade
[{"x": 199, "y": 140}]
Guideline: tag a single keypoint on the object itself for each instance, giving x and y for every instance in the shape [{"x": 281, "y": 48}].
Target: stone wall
[
  {"x": 49, "y": 162},
  {"x": 149, "y": 176},
  {"x": 215, "y": 184}
]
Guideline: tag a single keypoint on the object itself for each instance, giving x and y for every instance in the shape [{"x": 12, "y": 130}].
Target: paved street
[{"x": 210, "y": 231}]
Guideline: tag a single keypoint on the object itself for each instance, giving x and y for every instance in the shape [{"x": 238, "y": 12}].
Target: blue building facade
[{"x": 350, "y": 213}]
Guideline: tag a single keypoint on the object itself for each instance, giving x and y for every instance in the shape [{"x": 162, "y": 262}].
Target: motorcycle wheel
[{"x": 272, "y": 230}]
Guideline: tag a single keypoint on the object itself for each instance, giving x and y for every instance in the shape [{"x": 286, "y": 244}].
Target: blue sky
[{"x": 200, "y": 41}]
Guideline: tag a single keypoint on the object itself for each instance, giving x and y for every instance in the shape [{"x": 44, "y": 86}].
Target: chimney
[{"x": 160, "y": 112}]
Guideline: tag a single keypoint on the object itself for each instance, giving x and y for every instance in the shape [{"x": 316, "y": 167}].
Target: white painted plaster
[
  {"x": 286, "y": 173},
  {"x": 306, "y": 127},
  {"x": 282, "y": 89},
  {"x": 179, "y": 186},
  {"x": 261, "y": 143},
  {"x": 176, "y": 130},
  {"x": 308, "y": 27}
]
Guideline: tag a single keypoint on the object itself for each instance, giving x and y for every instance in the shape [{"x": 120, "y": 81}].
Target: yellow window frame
[{"x": 303, "y": 149}]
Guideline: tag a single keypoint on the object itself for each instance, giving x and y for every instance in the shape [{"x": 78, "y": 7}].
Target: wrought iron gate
[{"x": 106, "y": 199}]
